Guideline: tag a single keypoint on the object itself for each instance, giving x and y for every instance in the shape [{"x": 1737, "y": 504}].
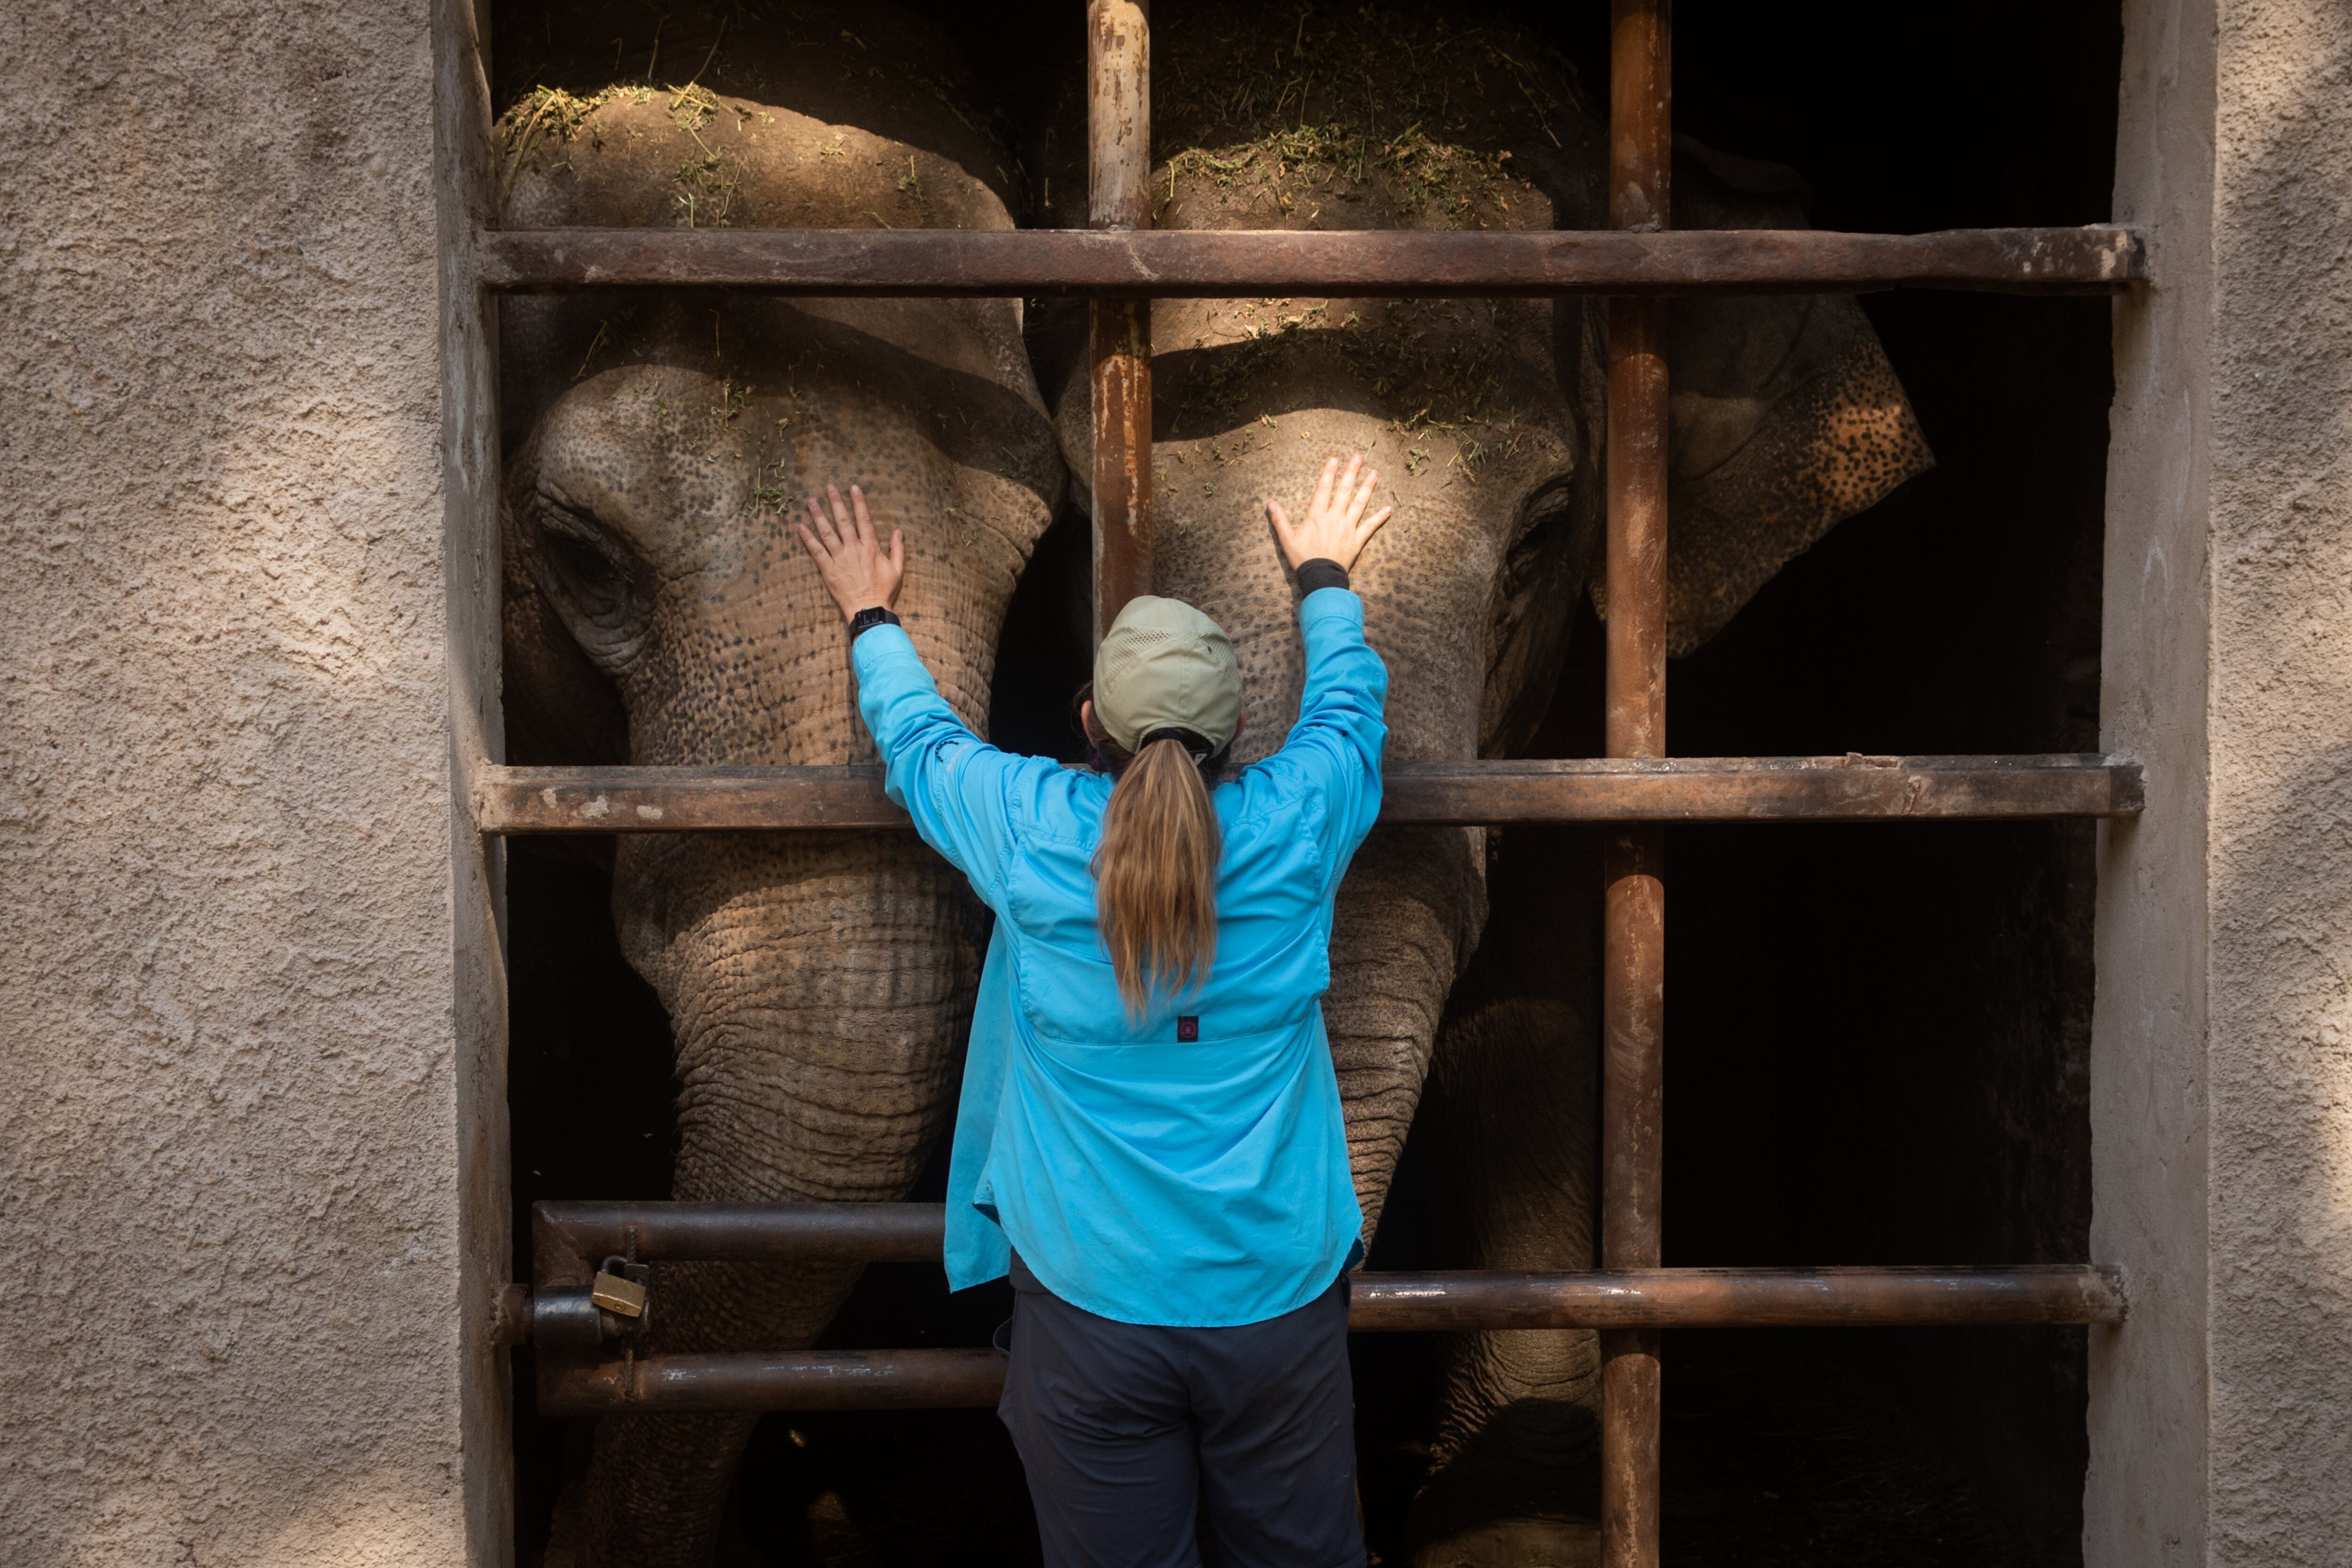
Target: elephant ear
[{"x": 1786, "y": 417}]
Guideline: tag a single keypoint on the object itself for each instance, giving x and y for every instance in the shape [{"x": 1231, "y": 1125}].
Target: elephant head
[
  {"x": 1486, "y": 419},
  {"x": 658, "y": 603}
]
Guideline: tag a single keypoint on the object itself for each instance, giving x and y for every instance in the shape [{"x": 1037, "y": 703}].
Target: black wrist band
[
  {"x": 866, "y": 619},
  {"x": 1320, "y": 572}
]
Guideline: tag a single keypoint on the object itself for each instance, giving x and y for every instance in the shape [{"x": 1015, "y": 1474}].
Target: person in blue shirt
[{"x": 1149, "y": 1141}]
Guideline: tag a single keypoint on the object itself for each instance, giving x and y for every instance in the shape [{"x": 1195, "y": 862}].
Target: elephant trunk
[
  {"x": 1515, "y": 1137},
  {"x": 818, "y": 987},
  {"x": 1407, "y": 918}
]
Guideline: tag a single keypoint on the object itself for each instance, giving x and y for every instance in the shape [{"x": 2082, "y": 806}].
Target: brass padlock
[{"x": 615, "y": 1291}]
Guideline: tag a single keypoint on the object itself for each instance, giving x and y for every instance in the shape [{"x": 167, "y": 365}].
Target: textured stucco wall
[
  {"x": 2280, "y": 854},
  {"x": 2221, "y": 1414},
  {"x": 230, "y": 1149}
]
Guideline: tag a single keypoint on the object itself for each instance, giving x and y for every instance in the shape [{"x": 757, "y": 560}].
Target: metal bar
[
  {"x": 1196, "y": 263},
  {"x": 742, "y": 1233},
  {"x": 1633, "y": 933},
  {"x": 1119, "y": 348},
  {"x": 668, "y": 1232},
  {"x": 1118, "y": 168},
  {"x": 802, "y": 1380},
  {"x": 1632, "y": 1096},
  {"x": 1642, "y": 1300},
  {"x": 1643, "y": 789},
  {"x": 1656, "y": 1298}
]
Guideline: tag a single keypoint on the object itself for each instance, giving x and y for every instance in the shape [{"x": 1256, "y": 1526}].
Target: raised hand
[
  {"x": 1335, "y": 528},
  {"x": 857, "y": 572}
]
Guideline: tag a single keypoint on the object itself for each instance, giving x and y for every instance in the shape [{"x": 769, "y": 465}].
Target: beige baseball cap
[{"x": 1164, "y": 665}]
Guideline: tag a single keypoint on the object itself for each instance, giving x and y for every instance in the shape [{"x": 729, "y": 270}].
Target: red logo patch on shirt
[{"x": 1187, "y": 1029}]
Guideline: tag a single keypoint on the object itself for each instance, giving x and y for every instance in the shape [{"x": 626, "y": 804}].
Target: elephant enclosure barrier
[
  {"x": 586, "y": 1362},
  {"x": 568, "y": 1239}
]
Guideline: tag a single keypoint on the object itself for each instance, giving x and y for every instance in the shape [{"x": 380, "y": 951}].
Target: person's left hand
[{"x": 856, "y": 571}]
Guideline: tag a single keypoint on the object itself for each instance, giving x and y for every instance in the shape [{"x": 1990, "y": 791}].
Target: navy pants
[{"x": 1130, "y": 1432}]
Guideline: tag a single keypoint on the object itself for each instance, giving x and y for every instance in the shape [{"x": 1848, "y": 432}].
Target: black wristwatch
[{"x": 866, "y": 619}]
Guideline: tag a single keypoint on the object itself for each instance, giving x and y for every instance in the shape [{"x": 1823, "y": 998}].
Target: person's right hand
[{"x": 1334, "y": 527}]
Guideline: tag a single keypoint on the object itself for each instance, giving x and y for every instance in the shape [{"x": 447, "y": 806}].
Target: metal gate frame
[{"x": 1640, "y": 263}]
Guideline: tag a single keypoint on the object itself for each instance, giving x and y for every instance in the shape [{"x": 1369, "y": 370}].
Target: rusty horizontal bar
[
  {"x": 744, "y": 1232},
  {"x": 1736, "y": 1297},
  {"x": 2096, "y": 258},
  {"x": 1668, "y": 1298},
  {"x": 1653, "y": 1297},
  {"x": 794, "y": 1380},
  {"x": 1673, "y": 789}
]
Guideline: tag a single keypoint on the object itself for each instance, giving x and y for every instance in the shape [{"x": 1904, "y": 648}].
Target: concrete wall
[
  {"x": 2279, "y": 852},
  {"x": 245, "y": 1275},
  {"x": 2221, "y": 1414}
]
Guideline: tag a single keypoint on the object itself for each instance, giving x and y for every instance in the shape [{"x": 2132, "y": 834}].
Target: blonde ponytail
[{"x": 1156, "y": 877}]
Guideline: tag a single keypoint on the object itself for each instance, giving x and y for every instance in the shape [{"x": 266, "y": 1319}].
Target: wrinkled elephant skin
[{"x": 817, "y": 986}]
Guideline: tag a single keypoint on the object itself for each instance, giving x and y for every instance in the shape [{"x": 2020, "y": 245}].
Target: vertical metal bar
[
  {"x": 1633, "y": 907},
  {"x": 1119, "y": 168}
]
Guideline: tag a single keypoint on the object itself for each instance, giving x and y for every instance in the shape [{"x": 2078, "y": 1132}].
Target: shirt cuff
[
  {"x": 1320, "y": 572},
  {"x": 1329, "y": 605},
  {"x": 879, "y": 644}
]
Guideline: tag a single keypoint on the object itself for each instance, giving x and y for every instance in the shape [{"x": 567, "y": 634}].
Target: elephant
[
  {"x": 1486, "y": 418},
  {"x": 659, "y": 609}
]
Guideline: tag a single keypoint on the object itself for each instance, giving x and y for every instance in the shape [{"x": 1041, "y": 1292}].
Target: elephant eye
[
  {"x": 595, "y": 585},
  {"x": 593, "y": 580},
  {"x": 1545, "y": 520}
]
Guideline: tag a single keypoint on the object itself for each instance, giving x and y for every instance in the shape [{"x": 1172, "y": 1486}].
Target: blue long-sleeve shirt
[{"x": 1200, "y": 1183}]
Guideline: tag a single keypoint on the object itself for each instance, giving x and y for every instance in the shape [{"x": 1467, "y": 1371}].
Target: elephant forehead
[
  {"x": 1429, "y": 579},
  {"x": 1475, "y": 365},
  {"x": 634, "y": 157},
  {"x": 1460, "y": 498},
  {"x": 957, "y": 363},
  {"x": 1458, "y": 403},
  {"x": 1455, "y": 515},
  {"x": 704, "y": 475}
]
